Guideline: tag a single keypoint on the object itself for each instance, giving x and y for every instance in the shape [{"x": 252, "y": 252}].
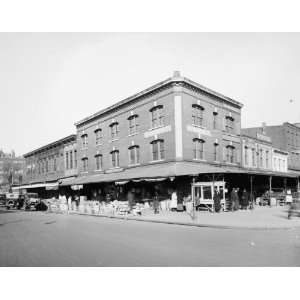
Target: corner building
[{"x": 174, "y": 128}]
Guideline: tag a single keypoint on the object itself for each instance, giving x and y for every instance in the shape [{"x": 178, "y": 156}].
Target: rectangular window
[
  {"x": 246, "y": 156},
  {"x": 84, "y": 139},
  {"x": 71, "y": 159},
  {"x": 54, "y": 164},
  {"x": 75, "y": 159},
  {"x": 115, "y": 158},
  {"x": 134, "y": 155},
  {"x": 157, "y": 116},
  {"x": 215, "y": 119},
  {"x": 216, "y": 147},
  {"x": 85, "y": 164},
  {"x": 230, "y": 154},
  {"x": 198, "y": 149},
  {"x": 261, "y": 158},
  {"x": 158, "y": 150},
  {"x": 229, "y": 124},
  {"x": 197, "y": 115},
  {"x": 114, "y": 130},
  {"x": 133, "y": 126},
  {"x": 98, "y": 159},
  {"x": 253, "y": 157},
  {"x": 267, "y": 159},
  {"x": 67, "y": 161},
  {"x": 47, "y": 169},
  {"x": 98, "y": 135}
]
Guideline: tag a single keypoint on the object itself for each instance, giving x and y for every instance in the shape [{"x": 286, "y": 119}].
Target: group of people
[{"x": 239, "y": 200}]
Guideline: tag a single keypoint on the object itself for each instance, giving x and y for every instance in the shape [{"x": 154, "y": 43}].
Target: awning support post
[
  {"x": 270, "y": 185},
  {"x": 251, "y": 187}
]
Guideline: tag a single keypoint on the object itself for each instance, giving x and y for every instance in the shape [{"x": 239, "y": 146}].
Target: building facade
[
  {"x": 174, "y": 120},
  {"x": 279, "y": 160},
  {"x": 52, "y": 162},
  {"x": 285, "y": 137},
  {"x": 11, "y": 170}
]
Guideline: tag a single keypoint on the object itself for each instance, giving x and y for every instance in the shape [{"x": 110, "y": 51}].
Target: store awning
[{"x": 47, "y": 185}]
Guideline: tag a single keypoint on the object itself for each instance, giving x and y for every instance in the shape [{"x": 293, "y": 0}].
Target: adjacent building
[
  {"x": 285, "y": 137},
  {"x": 47, "y": 165}
]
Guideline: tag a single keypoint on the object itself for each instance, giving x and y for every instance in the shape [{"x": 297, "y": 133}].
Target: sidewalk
[{"x": 259, "y": 218}]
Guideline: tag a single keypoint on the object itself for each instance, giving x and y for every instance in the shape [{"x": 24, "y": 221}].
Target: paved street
[{"x": 43, "y": 239}]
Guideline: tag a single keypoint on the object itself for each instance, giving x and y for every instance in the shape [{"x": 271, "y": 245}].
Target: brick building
[
  {"x": 47, "y": 165},
  {"x": 174, "y": 128},
  {"x": 285, "y": 137}
]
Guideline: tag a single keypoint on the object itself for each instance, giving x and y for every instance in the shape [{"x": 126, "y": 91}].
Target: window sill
[
  {"x": 99, "y": 171},
  {"x": 99, "y": 144},
  {"x": 85, "y": 148},
  {"x": 84, "y": 172},
  {"x": 133, "y": 134},
  {"x": 153, "y": 128},
  {"x": 134, "y": 165},
  {"x": 155, "y": 161},
  {"x": 199, "y": 126},
  {"x": 114, "y": 140},
  {"x": 199, "y": 159}
]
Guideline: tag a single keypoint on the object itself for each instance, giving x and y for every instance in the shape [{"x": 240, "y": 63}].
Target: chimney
[
  {"x": 263, "y": 128},
  {"x": 176, "y": 74}
]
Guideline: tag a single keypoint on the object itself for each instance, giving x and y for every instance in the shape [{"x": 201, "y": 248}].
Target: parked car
[
  {"x": 12, "y": 200},
  {"x": 2, "y": 199},
  {"x": 32, "y": 201}
]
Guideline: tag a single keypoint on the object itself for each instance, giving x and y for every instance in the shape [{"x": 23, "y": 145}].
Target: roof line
[
  {"x": 170, "y": 80},
  {"x": 60, "y": 141}
]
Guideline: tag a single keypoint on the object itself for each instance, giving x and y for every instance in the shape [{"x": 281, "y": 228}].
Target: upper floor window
[
  {"x": 198, "y": 149},
  {"x": 253, "y": 157},
  {"x": 158, "y": 150},
  {"x": 98, "y": 160},
  {"x": 215, "y": 120},
  {"x": 71, "y": 159},
  {"x": 229, "y": 124},
  {"x": 230, "y": 153},
  {"x": 133, "y": 125},
  {"x": 47, "y": 166},
  {"x": 98, "y": 135},
  {"x": 114, "y": 130},
  {"x": 75, "y": 159},
  {"x": 197, "y": 115},
  {"x": 85, "y": 164},
  {"x": 84, "y": 140},
  {"x": 54, "y": 164},
  {"x": 134, "y": 155},
  {"x": 157, "y": 116},
  {"x": 246, "y": 156},
  {"x": 216, "y": 147},
  {"x": 267, "y": 159},
  {"x": 67, "y": 161},
  {"x": 261, "y": 158},
  {"x": 115, "y": 158}
]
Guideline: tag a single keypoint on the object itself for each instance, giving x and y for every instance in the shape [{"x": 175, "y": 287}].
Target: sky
[{"x": 49, "y": 81}]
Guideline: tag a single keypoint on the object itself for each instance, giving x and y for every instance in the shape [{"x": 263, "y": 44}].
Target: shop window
[
  {"x": 158, "y": 150},
  {"x": 229, "y": 124},
  {"x": 157, "y": 116},
  {"x": 197, "y": 115},
  {"x": 85, "y": 162},
  {"x": 114, "y": 130},
  {"x": 134, "y": 155},
  {"x": 115, "y": 158},
  {"x": 207, "y": 192},
  {"x": 133, "y": 125},
  {"x": 198, "y": 150},
  {"x": 98, "y": 160},
  {"x": 98, "y": 136}
]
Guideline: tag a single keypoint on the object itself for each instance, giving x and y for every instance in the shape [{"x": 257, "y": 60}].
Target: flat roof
[
  {"x": 68, "y": 138},
  {"x": 175, "y": 79}
]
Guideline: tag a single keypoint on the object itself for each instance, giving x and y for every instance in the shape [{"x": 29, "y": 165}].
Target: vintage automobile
[
  {"x": 32, "y": 201},
  {"x": 2, "y": 199},
  {"x": 12, "y": 200}
]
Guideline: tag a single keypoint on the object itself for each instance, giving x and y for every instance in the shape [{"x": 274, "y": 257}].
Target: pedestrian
[
  {"x": 131, "y": 200},
  {"x": 217, "y": 200},
  {"x": 156, "y": 203},
  {"x": 173, "y": 205},
  {"x": 245, "y": 199},
  {"x": 233, "y": 199}
]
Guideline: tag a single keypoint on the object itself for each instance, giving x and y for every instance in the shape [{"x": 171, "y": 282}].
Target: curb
[{"x": 191, "y": 224}]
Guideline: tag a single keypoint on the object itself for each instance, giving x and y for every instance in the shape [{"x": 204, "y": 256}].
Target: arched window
[
  {"x": 134, "y": 155},
  {"x": 197, "y": 115},
  {"x": 85, "y": 163},
  {"x": 115, "y": 158},
  {"x": 198, "y": 149},
  {"x": 84, "y": 140},
  {"x": 158, "y": 150},
  {"x": 157, "y": 116}
]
